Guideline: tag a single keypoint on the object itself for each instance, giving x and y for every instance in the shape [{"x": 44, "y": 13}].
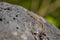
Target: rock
[{"x": 16, "y": 24}]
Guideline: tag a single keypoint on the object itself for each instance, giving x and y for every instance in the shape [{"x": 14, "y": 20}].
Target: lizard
[{"x": 40, "y": 20}]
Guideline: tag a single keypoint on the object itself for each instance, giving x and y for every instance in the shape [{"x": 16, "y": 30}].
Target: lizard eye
[{"x": 35, "y": 33}]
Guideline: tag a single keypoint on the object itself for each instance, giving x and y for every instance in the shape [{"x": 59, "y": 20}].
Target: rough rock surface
[{"x": 16, "y": 24}]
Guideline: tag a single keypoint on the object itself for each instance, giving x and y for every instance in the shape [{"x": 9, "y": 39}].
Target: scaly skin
[{"x": 38, "y": 18}]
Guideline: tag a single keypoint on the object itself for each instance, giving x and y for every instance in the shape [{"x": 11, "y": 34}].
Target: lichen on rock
[{"x": 16, "y": 24}]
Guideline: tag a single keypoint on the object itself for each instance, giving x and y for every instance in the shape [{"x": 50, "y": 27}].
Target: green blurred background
[{"x": 49, "y": 9}]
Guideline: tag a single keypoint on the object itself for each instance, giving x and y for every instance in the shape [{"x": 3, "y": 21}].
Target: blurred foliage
[
  {"x": 52, "y": 1},
  {"x": 49, "y": 9}
]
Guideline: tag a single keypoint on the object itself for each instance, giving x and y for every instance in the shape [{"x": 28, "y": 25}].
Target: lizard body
[
  {"x": 40, "y": 20},
  {"x": 37, "y": 18}
]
